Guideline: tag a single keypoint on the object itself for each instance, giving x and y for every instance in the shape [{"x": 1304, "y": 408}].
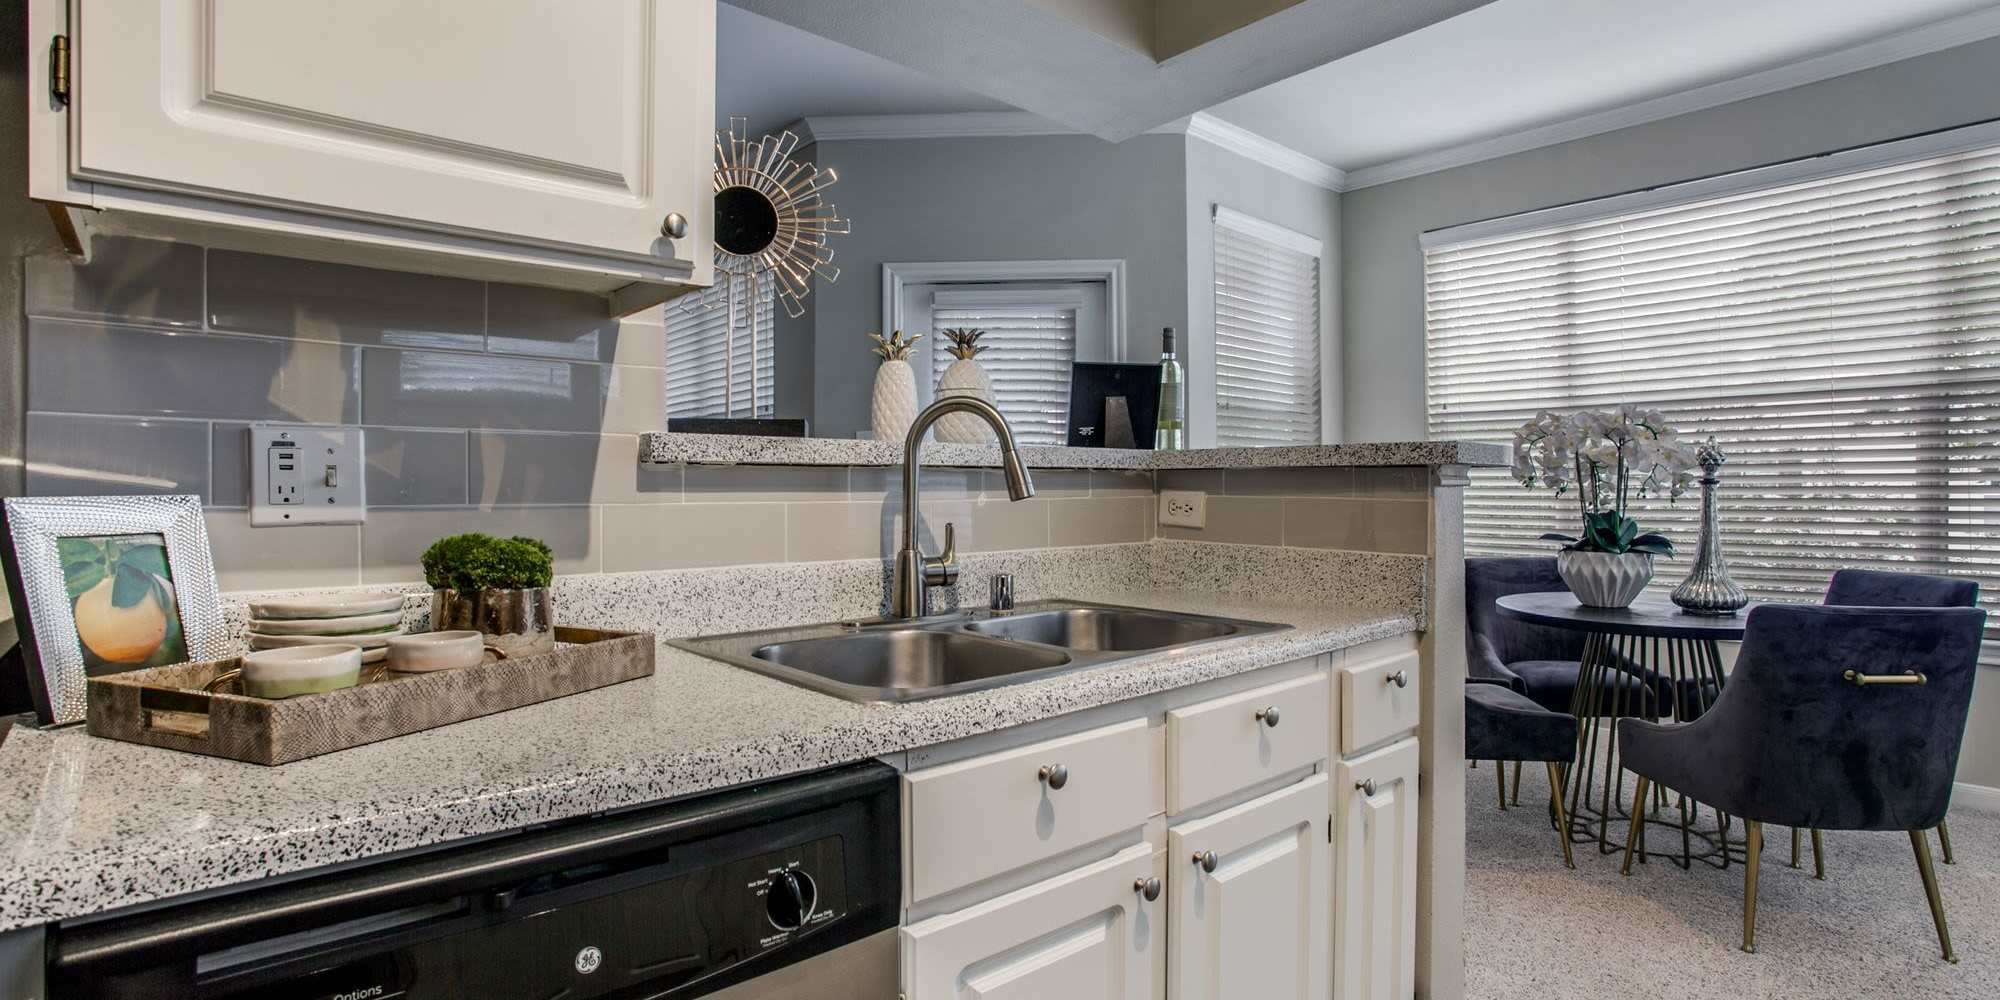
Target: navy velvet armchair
[{"x": 1834, "y": 718}]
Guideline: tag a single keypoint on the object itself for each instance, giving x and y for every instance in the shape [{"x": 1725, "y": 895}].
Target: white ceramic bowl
[
  {"x": 370, "y": 602},
  {"x": 259, "y": 640},
  {"x": 357, "y": 625},
  {"x": 427, "y": 651},
  {"x": 297, "y": 670}
]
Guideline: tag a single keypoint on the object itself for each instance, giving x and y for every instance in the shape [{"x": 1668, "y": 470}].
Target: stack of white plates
[{"x": 367, "y": 620}]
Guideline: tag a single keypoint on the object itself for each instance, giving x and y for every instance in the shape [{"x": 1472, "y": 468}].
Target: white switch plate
[
  {"x": 306, "y": 475},
  {"x": 1184, "y": 508}
]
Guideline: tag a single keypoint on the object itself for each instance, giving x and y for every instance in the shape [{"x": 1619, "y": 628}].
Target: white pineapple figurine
[
  {"x": 894, "y": 407},
  {"x": 965, "y": 377}
]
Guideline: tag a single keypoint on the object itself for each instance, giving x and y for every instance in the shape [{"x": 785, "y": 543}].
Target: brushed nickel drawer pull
[
  {"x": 1366, "y": 787},
  {"x": 1054, "y": 775},
  {"x": 1268, "y": 716},
  {"x": 1206, "y": 859},
  {"x": 1400, "y": 678},
  {"x": 1147, "y": 888}
]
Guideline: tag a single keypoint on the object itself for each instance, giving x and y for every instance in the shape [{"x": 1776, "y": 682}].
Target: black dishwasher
[{"x": 670, "y": 901}]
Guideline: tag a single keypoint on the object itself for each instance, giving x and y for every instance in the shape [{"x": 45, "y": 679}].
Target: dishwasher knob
[{"x": 791, "y": 899}]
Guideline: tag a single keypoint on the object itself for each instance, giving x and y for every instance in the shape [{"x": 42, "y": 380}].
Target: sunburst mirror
[{"x": 772, "y": 224}]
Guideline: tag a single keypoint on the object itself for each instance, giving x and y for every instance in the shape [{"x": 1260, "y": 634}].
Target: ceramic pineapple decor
[
  {"x": 965, "y": 377},
  {"x": 895, "y": 404}
]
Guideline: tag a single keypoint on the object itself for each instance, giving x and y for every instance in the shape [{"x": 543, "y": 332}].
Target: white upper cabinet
[{"x": 556, "y": 136}]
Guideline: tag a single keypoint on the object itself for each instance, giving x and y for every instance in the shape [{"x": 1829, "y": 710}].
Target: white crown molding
[
  {"x": 1251, "y": 146},
  {"x": 992, "y": 124},
  {"x": 1868, "y": 55}
]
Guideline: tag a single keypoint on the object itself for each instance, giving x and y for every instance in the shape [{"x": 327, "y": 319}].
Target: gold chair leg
[
  {"x": 1795, "y": 847},
  {"x": 1517, "y": 782},
  {"x": 1638, "y": 820},
  {"x": 1562, "y": 821},
  {"x": 1819, "y": 859},
  {"x": 1500, "y": 771},
  {"x": 1753, "y": 857},
  {"x": 1921, "y": 842},
  {"x": 1944, "y": 840}
]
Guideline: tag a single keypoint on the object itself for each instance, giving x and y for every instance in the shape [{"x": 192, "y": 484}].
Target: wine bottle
[{"x": 1171, "y": 432}]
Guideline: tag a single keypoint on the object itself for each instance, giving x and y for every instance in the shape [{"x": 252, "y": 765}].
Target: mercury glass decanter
[{"x": 1708, "y": 590}]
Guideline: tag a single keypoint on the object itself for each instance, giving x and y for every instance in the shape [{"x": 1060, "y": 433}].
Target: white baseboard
[{"x": 1984, "y": 798}]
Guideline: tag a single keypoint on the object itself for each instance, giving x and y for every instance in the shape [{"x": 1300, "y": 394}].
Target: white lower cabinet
[
  {"x": 1375, "y": 875},
  {"x": 1088, "y": 934},
  {"x": 1251, "y": 894}
]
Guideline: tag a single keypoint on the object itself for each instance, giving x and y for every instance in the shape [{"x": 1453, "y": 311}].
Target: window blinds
[
  {"x": 697, "y": 356},
  {"x": 1840, "y": 337},
  {"x": 1266, "y": 333},
  {"x": 1030, "y": 345}
]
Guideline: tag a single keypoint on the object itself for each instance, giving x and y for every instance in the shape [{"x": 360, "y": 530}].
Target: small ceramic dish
[
  {"x": 371, "y": 602},
  {"x": 379, "y": 640},
  {"x": 424, "y": 652},
  {"x": 357, "y": 625},
  {"x": 297, "y": 670}
]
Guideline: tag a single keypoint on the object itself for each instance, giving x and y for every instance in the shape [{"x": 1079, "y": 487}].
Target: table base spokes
[{"x": 1649, "y": 678}]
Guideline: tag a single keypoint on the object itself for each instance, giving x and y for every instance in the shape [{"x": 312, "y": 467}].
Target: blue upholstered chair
[
  {"x": 1502, "y": 724},
  {"x": 1883, "y": 589},
  {"x": 1834, "y": 718},
  {"x": 1535, "y": 660}
]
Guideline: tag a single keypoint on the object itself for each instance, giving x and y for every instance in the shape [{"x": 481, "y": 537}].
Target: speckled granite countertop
[
  {"x": 93, "y": 825},
  {"x": 725, "y": 449}
]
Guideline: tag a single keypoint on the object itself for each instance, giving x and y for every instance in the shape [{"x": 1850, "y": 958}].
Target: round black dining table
[{"x": 1651, "y": 661}]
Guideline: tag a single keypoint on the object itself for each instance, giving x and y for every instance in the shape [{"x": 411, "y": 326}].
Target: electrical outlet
[
  {"x": 1184, "y": 508},
  {"x": 306, "y": 475}
]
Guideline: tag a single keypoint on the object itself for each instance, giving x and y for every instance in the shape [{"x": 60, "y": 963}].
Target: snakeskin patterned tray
[{"x": 167, "y": 706}]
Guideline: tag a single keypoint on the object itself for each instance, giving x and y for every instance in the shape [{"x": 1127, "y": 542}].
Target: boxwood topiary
[{"x": 474, "y": 562}]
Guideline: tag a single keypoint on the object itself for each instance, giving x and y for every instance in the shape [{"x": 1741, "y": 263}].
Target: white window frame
[
  {"x": 1110, "y": 272},
  {"x": 1198, "y": 350}
]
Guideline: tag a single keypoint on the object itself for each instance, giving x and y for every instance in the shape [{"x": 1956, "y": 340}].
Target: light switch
[{"x": 306, "y": 475}]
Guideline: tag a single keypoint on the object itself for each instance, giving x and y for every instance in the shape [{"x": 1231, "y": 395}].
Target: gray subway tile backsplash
[
  {"x": 411, "y": 468},
  {"x": 229, "y": 465},
  {"x": 550, "y": 323},
  {"x": 83, "y": 367},
  {"x": 393, "y": 541},
  {"x": 69, "y": 455},
  {"x": 518, "y": 467},
  {"x": 312, "y": 300},
  {"x": 447, "y": 389},
  {"x": 149, "y": 281}
]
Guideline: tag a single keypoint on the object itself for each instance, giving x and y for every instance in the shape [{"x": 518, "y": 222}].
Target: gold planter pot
[{"x": 516, "y": 622}]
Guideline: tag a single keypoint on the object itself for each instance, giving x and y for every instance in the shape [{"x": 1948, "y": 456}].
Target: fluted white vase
[
  {"x": 1605, "y": 579},
  {"x": 965, "y": 377},
  {"x": 894, "y": 407}
]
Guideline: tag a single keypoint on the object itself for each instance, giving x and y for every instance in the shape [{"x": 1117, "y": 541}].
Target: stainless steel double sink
[{"x": 898, "y": 661}]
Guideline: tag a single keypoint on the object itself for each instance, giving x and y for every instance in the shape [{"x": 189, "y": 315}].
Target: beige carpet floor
[{"x": 1538, "y": 931}]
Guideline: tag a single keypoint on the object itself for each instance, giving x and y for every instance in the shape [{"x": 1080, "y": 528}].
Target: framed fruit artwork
[{"x": 106, "y": 584}]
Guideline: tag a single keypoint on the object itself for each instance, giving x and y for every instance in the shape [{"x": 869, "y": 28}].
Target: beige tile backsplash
[{"x": 516, "y": 410}]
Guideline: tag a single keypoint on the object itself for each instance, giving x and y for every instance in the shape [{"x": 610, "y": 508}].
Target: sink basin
[
  {"x": 1104, "y": 629},
  {"x": 907, "y": 663},
  {"x": 898, "y": 661}
]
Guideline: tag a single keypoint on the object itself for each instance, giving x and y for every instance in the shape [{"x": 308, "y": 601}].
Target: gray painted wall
[
  {"x": 1015, "y": 198},
  {"x": 1215, "y": 175},
  {"x": 1382, "y": 269}
]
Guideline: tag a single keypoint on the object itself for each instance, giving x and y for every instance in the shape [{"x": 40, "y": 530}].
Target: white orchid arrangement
[{"x": 1605, "y": 457}]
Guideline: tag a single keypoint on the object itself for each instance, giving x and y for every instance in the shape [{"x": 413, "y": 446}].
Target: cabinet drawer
[
  {"x": 1220, "y": 746},
  {"x": 1087, "y": 934},
  {"x": 977, "y": 818},
  {"x": 1373, "y": 706}
]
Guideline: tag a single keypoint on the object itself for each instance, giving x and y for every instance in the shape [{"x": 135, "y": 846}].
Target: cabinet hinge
[{"x": 59, "y": 69}]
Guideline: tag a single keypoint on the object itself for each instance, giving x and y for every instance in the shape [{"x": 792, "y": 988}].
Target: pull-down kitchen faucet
[{"x": 917, "y": 573}]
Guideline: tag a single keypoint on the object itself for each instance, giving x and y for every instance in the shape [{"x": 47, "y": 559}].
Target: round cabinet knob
[
  {"x": 1366, "y": 787},
  {"x": 1268, "y": 716},
  {"x": 1400, "y": 678},
  {"x": 674, "y": 226},
  {"x": 1206, "y": 859},
  {"x": 791, "y": 899},
  {"x": 1147, "y": 888},
  {"x": 1055, "y": 776}
]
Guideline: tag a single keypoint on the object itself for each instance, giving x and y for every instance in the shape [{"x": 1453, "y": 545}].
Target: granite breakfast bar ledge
[{"x": 672, "y": 448}]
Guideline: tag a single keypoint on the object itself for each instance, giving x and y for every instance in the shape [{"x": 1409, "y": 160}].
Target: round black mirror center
[{"x": 745, "y": 221}]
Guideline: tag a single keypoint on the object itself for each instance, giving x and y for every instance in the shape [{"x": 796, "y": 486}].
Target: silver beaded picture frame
[{"x": 135, "y": 569}]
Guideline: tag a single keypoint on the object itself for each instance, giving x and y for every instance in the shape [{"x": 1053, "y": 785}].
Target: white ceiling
[
  {"x": 774, "y": 74},
  {"x": 1514, "y": 65}
]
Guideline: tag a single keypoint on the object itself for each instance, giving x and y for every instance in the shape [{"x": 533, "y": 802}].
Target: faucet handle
[{"x": 941, "y": 570}]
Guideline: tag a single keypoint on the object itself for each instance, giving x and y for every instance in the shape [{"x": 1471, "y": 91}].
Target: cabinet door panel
[
  {"x": 552, "y": 124},
  {"x": 1084, "y": 935},
  {"x": 1257, "y": 925},
  {"x": 1375, "y": 896}
]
